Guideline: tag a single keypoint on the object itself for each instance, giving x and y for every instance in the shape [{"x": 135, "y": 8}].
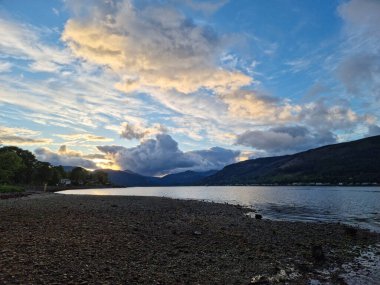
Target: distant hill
[
  {"x": 185, "y": 178},
  {"x": 68, "y": 168},
  {"x": 130, "y": 179},
  {"x": 348, "y": 163}
]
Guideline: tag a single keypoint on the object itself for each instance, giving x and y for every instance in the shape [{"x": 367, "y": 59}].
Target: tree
[
  {"x": 79, "y": 175},
  {"x": 43, "y": 173},
  {"x": 10, "y": 164},
  {"x": 100, "y": 177},
  {"x": 57, "y": 174},
  {"x": 25, "y": 173}
]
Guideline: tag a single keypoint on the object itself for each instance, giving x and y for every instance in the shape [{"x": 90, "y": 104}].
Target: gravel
[{"x": 63, "y": 239}]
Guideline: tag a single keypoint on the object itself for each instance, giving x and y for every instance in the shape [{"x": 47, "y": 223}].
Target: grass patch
[{"x": 10, "y": 189}]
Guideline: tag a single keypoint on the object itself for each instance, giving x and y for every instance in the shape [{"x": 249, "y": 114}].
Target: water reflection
[{"x": 354, "y": 205}]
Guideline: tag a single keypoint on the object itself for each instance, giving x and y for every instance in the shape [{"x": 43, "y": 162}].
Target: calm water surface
[{"x": 352, "y": 205}]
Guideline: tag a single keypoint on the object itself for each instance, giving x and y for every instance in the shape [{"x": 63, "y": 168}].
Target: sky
[{"x": 159, "y": 87}]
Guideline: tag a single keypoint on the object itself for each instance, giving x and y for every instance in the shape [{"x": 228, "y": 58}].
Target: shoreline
[{"x": 116, "y": 240}]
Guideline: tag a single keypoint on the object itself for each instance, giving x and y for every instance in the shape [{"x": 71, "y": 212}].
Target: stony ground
[{"x": 62, "y": 239}]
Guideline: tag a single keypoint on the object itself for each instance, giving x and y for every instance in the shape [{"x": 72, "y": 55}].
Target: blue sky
[{"x": 185, "y": 84}]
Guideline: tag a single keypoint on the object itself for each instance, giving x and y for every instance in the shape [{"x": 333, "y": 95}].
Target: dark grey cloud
[
  {"x": 161, "y": 156},
  {"x": 323, "y": 117},
  {"x": 63, "y": 157},
  {"x": 110, "y": 148},
  {"x": 207, "y": 7},
  {"x": 285, "y": 139},
  {"x": 359, "y": 70},
  {"x": 373, "y": 130},
  {"x": 131, "y": 131},
  {"x": 360, "y": 74},
  {"x": 213, "y": 158},
  {"x": 362, "y": 16},
  {"x": 316, "y": 90}
]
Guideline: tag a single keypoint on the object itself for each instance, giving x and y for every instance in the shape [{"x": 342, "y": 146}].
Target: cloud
[
  {"x": 360, "y": 74},
  {"x": 259, "y": 107},
  {"x": 359, "y": 70},
  {"x": 298, "y": 65},
  {"x": 323, "y": 117},
  {"x": 213, "y": 158},
  {"x": 5, "y": 66},
  {"x": 150, "y": 47},
  {"x": 139, "y": 131},
  {"x": 373, "y": 130},
  {"x": 83, "y": 137},
  {"x": 361, "y": 15},
  {"x": 207, "y": 7},
  {"x": 161, "y": 156},
  {"x": 22, "y": 41},
  {"x": 151, "y": 157},
  {"x": 316, "y": 90},
  {"x": 285, "y": 139},
  {"x": 21, "y": 136},
  {"x": 64, "y": 157}
]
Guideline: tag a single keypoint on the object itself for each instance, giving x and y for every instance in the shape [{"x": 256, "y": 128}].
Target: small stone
[
  {"x": 351, "y": 231},
  {"x": 258, "y": 216},
  {"x": 197, "y": 233},
  {"x": 317, "y": 253}
]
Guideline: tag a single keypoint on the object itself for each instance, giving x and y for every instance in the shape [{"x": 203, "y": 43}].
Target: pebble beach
[{"x": 52, "y": 238}]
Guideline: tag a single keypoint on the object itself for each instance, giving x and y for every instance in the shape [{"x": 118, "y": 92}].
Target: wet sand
[{"x": 64, "y": 239}]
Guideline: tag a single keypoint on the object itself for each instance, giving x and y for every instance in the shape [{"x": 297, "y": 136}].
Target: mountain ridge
[
  {"x": 127, "y": 178},
  {"x": 342, "y": 163}
]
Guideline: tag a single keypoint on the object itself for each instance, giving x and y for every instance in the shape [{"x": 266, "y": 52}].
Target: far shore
[{"x": 50, "y": 238}]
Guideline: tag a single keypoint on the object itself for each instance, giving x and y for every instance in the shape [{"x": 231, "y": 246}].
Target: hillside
[
  {"x": 348, "y": 163},
  {"x": 185, "y": 178},
  {"x": 131, "y": 179}
]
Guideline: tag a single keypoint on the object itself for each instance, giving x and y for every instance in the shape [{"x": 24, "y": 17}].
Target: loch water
[{"x": 357, "y": 206}]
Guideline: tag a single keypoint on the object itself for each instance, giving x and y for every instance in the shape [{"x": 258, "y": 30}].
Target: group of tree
[
  {"x": 21, "y": 167},
  {"x": 81, "y": 176}
]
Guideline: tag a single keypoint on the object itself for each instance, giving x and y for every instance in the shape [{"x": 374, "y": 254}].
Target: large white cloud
[
  {"x": 151, "y": 47},
  {"x": 162, "y": 155},
  {"x": 260, "y": 107}
]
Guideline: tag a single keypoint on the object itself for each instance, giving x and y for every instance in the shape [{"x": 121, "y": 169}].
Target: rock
[
  {"x": 258, "y": 216},
  {"x": 351, "y": 231},
  {"x": 317, "y": 253},
  {"x": 197, "y": 233},
  {"x": 259, "y": 279}
]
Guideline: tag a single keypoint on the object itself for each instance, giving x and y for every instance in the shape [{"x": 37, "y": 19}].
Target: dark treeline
[{"x": 20, "y": 167}]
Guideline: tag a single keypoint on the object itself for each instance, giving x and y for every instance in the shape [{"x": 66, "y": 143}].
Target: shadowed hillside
[
  {"x": 348, "y": 163},
  {"x": 132, "y": 179}
]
